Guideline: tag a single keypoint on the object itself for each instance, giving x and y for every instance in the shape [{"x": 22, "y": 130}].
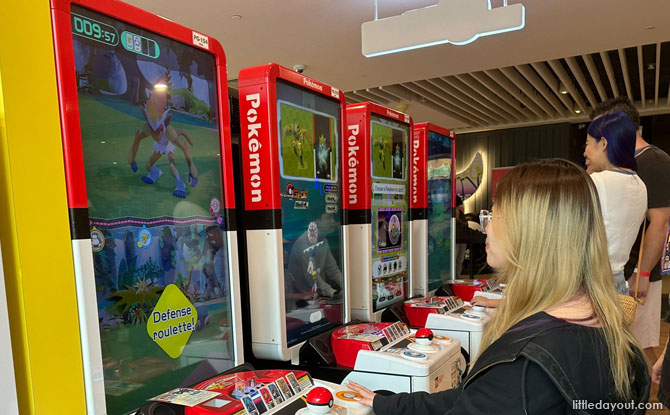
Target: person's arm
[
  {"x": 656, "y": 369},
  {"x": 298, "y": 296},
  {"x": 654, "y": 241},
  {"x": 496, "y": 390},
  {"x": 324, "y": 288},
  {"x": 406, "y": 403},
  {"x": 486, "y": 302},
  {"x": 332, "y": 271}
]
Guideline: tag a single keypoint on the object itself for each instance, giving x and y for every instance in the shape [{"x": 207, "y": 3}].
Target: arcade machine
[
  {"x": 242, "y": 389},
  {"x": 388, "y": 356},
  {"x": 376, "y": 191},
  {"x": 376, "y": 195},
  {"x": 433, "y": 229},
  {"x": 450, "y": 317},
  {"x": 433, "y": 204},
  {"x": 432, "y": 207},
  {"x": 285, "y": 392},
  {"x": 291, "y": 129},
  {"x": 469, "y": 289},
  {"x": 146, "y": 145}
]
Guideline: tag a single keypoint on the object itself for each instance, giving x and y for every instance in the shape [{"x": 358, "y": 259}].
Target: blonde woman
[{"x": 557, "y": 342}]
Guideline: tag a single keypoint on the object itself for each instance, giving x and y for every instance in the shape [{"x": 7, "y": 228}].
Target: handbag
[{"x": 629, "y": 303}]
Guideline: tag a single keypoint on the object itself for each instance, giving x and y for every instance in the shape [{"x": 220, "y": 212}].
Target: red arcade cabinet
[
  {"x": 432, "y": 203},
  {"x": 376, "y": 192},
  {"x": 146, "y": 142},
  {"x": 296, "y": 189},
  {"x": 291, "y": 127}
]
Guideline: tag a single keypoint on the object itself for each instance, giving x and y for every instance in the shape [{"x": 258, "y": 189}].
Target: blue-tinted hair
[{"x": 619, "y": 131}]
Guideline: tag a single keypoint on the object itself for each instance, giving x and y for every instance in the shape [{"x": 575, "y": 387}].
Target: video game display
[
  {"x": 151, "y": 144},
  {"x": 307, "y": 143},
  {"x": 389, "y": 235},
  {"x": 439, "y": 209},
  {"x": 309, "y": 133},
  {"x": 389, "y": 140}
]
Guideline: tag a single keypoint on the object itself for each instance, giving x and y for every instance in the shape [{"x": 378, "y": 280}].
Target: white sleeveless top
[{"x": 623, "y": 199}]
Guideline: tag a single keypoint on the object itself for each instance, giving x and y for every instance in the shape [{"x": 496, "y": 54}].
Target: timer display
[{"x": 92, "y": 29}]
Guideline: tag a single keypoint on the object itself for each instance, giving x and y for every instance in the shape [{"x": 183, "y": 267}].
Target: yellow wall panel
[{"x": 34, "y": 224}]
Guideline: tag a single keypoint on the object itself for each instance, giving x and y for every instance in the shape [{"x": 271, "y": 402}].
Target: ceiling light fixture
[
  {"x": 449, "y": 21},
  {"x": 576, "y": 108},
  {"x": 562, "y": 89}
]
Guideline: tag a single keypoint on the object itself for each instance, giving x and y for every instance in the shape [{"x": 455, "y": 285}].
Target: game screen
[
  {"x": 439, "y": 209},
  {"x": 389, "y": 141},
  {"x": 151, "y": 144},
  {"x": 309, "y": 134}
]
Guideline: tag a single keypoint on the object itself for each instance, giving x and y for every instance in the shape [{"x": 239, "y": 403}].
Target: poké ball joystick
[
  {"x": 319, "y": 400},
  {"x": 424, "y": 337}
]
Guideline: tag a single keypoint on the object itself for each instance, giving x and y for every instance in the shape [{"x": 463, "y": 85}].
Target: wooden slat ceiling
[{"x": 558, "y": 90}]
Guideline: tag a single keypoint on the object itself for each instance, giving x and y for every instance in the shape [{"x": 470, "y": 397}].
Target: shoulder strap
[
  {"x": 639, "y": 258},
  {"x": 546, "y": 360}
]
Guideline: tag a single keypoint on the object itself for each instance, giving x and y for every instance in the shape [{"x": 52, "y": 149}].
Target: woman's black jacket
[{"x": 542, "y": 365}]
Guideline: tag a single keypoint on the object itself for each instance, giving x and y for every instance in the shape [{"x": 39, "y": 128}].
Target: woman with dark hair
[
  {"x": 557, "y": 344},
  {"x": 610, "y": 159}
]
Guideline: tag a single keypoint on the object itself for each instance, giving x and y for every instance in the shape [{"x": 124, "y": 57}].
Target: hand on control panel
[
  {"x": 479, "y": 308},
  {"x": 306, "y": 295},
  {"x": 367, "y": 396},
  {"x": 486, "y": 302}
]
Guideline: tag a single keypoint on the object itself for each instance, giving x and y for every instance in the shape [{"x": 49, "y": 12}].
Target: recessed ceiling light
[
  {"x": 650, "y": 27},
  {"x": 236, "y": 17}
]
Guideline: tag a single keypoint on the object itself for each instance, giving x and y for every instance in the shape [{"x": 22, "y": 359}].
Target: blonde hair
[{"x": 553, "y": 238}]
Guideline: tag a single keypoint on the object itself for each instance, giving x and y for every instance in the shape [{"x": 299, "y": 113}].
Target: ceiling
[{"x": 589, "y": 49}]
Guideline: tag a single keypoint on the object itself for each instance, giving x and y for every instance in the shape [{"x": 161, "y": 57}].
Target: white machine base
[
  {"x": 405, "y": 369},
  {"x": 306, "y": 411},
  {"x": 422, "y": 349},
  {"x": 466, "y": 327}
]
